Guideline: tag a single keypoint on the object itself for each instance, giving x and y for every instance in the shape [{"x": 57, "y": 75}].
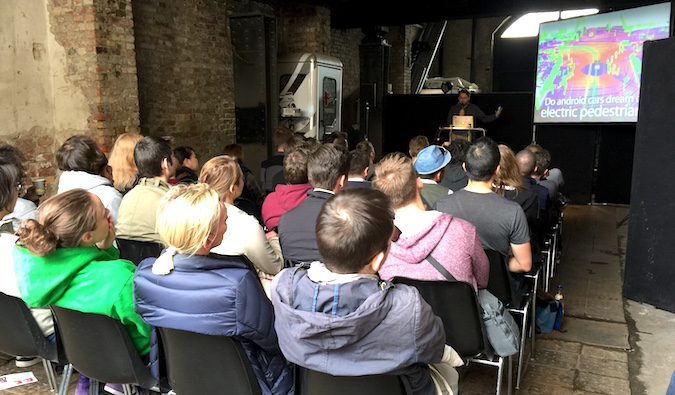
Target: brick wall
[{"x": 185, "y": 73}]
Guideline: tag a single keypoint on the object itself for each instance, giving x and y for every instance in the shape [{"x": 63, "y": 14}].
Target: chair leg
[
  {"x": 509, "y": 390},
  {"x": 49, "y": 370},
  {"x": 500, "y": 374},
  {"x": 127, "y": 389},
  {"x": 93, "y": 387},
  {"x": 65, "y": 379},
  {"x": 521, "y": 352}
]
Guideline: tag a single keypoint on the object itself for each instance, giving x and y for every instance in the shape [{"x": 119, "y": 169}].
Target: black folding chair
[
  {"x": 99, "y": 347},
  {"x": 137, "y": 250},
  {"x": 309, "y": 382},
  {"x": 20, "y": 335},
  {"x": 456, "y": 303},
  {"x": 199, "y": 364}
]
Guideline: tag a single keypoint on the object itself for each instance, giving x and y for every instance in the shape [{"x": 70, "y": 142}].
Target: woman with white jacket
[{"x": 246, "y": 235}]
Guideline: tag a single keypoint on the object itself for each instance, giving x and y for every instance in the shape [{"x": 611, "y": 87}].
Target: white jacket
[{"x": 98, "y": 185}]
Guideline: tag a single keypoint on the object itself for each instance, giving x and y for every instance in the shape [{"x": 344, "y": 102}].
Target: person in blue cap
[{"x": 430, "y": 165}]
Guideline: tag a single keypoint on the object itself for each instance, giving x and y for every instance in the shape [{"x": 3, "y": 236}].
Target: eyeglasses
[
  {"x": 396, "y": 234},
  {"x": 19, "y": 186}
]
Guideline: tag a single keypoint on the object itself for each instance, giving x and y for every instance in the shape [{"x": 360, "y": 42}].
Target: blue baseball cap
[{"x": 431, "y": 159}]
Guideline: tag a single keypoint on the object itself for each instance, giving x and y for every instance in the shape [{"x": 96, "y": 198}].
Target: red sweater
[{"x": 284, "y": 198}]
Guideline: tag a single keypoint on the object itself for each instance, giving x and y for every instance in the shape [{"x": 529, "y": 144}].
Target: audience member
[
  {"x": 295, "y": 141},
  {"x": 376, "y": 328},
  {"x": 189, "y": 289},
  {"x": 455, "y": 177},
  {"x": 189, "y": 164},
  {"x": 501, "y": 224},
  {"x": 10, "y": 181},
  {"x": 138, "y": 212},
  {"x": 510, "y": 184},
  {"x": 430, "y": 165},
  {"x": 453, "y": 242},
  {"x": 83, "y": 165},
  {"x": 122, "y": 162},
  {"x": 252, "y": 196},
  {"x": 327, "y": 168},
  {"x": 246, "y": 236},
  {"x": 23, "y": 208},
  {"x": 358, "y": 170},
  {"x": 275, "y": 163},
  {"x": 339, "y": 139},
  {"x": 527, "y": 163},
  {"x": 289, "y": 195},
  {"x": 417, "y": 144},
  {"x": 67, "y": 258},
  {"x": 367, "y": 147}
]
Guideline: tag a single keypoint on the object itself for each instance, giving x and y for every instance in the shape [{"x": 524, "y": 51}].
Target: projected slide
[{"x": 588, "y": 69}]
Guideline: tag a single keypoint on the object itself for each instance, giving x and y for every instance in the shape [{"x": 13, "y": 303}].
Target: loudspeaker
[{"x": 650, "y": 262}]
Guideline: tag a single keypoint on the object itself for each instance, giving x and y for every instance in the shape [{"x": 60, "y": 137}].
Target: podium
[{"x": 453, "y": 133}]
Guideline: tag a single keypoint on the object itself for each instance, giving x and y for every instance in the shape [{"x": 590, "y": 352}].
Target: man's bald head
[{"x": 526, "y": 162}]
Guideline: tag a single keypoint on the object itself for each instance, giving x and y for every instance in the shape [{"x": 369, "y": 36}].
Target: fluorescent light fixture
[
  {"x": 528, "y": 24},
  {"x": 575, "y": 13}
]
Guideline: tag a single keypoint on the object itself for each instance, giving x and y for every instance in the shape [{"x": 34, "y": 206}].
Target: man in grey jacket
[{"x": 338, "y": 317}]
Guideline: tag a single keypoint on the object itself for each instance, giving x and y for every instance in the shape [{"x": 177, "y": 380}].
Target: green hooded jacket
[{"x": 84, "y": 279}]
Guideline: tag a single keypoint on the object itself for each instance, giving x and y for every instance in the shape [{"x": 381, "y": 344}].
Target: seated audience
[
  {"x": 339, "y": 318},
  {"x": 275, "y": 163},
  {"x": 552, "y": 179},
  {"x": 527, "y": 163},
  {"x": 137, "y": 215},
  {"x": 510, "y": 184},
  {"x": 10, "y": 182},
  {"x": 121, "y": 160},
  {"x": 84, "y": 165},
  {"x": 358, "y": 170},
  {"x": 23, "y": 208},
  {"x": 67, "y": 258},
  {"x": 430, "y": 165},
  {"x": 189, "y": 164},
  {"x": 453, "y": 242},
  {"x": 417, "y": 144},
  {"x": 189, "y": 289},
  {"x": 501, "y": 224},
  {"x": 295, "y": 141},
  {"x": 455, "y": 177},
  {"x": 339, "y": 139},
  {"x": 289, "y": 195},
  {"x": 327, "y": 168},
  {"x": 246, "y": 236},
  {"x": 252, "y": 196},
  {"x": 367, "y": 147}
]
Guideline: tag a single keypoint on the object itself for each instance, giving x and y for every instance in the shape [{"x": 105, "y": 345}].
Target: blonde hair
[
  {"x": 396, "y": 177},
  {"x": 122, "y": 160},
  {"x": 187, "y": 215},
  {"x": 220, "y": 173},
  {"x": 509, "y": 173},
  {"x": 62, "y": 220}
]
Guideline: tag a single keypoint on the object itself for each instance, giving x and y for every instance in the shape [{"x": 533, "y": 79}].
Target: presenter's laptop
[{"x": 462, "y": 121}]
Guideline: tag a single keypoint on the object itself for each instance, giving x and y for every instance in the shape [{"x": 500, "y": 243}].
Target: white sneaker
[{"x": 24, "y": 362}]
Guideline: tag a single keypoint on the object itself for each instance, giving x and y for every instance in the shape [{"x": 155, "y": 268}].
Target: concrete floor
[{"x": 612, "y": 345}]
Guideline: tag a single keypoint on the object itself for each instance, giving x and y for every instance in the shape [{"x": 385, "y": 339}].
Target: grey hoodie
[
  {"x": 357, "y": 328},
  {"x": 94, "y": 183}
]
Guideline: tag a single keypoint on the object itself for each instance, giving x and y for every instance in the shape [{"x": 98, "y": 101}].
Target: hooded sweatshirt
[
  {"x": 85, "y": 279},
  {"x": 455, "y": 177},
  {"x": 452, "y": 241},
  {"x": 361, "y": 327},
  {"x": 96, "y": 184},
  {"x": 284, "y": 198}
]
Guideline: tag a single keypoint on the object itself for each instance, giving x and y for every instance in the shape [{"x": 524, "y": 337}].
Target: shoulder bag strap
[{"x": 440, "y": 268}]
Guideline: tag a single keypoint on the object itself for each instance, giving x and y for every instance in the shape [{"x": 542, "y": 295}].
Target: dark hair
[
  {"x": 326, "y": 165},
  {"x": 293, "y": 142},
  {"x": 458, "y": 150},
  {"x": 482, "y": 159},
  {"x": 353, "y": 227},
  {"x": 10, "y": 176},
  {"x": 365, "y": 146},
  {"x": 543, "y": 161},
  {"x": 464, "y": 91},
  {"x": 9, "y": 154},
  {"x": 417, "y": 144},
  {"x": 236, "y": 151},
  {"x": 149, "y": 153},
  {"x": 182, "y": 153},
  {"x": 295, "y": 166},
  {"x": 81, "y": 153},
  {"x": 358, "y": 162}
]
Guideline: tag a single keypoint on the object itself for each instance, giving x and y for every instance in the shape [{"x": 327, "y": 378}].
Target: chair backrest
[
  {"x": 499, "y": 283},
  {"x": 99, "y": 347},
  {"x": 137, "y": 250},
  {"x": 308, "y": 382},
  {"x": 206, "y": 364},
  {"x": 457, "y": 306},
  {"x": 19, "y": 333}
]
